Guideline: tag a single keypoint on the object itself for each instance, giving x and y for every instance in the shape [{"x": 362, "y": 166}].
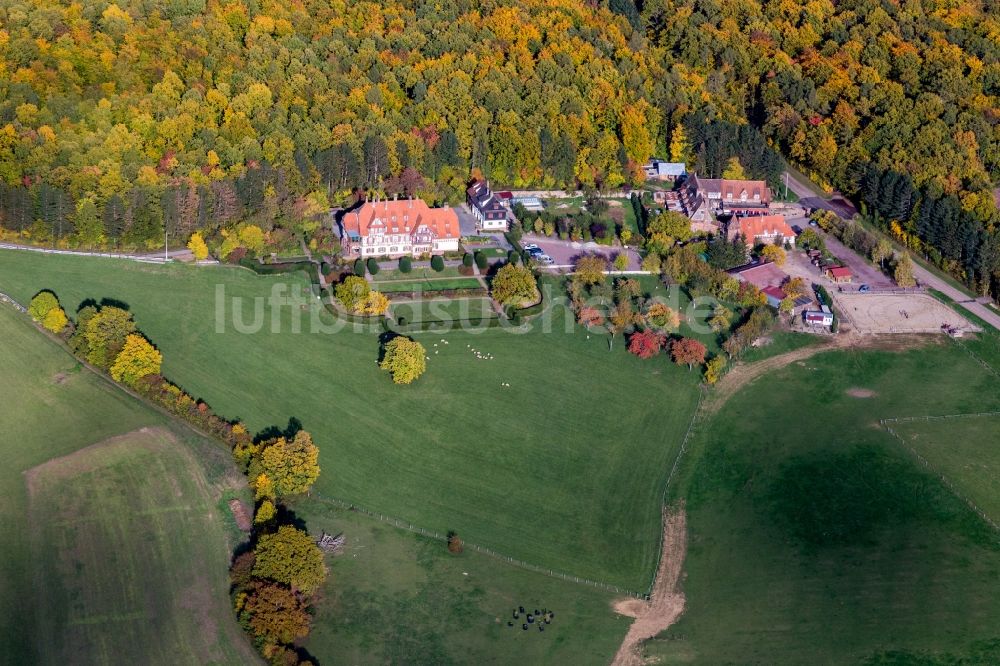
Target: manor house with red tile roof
[{"x": 400, "y": 227}]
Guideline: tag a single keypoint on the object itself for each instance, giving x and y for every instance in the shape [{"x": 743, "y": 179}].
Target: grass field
[
  {"x": 816, "y": 538},
  {"x": 563, "y": 469},
  {"x": 965, "y": 450},
  {"x": 395, "y": 597},
  {"x": 53, "y": 408},
  {"x": 122, "y": 565}
]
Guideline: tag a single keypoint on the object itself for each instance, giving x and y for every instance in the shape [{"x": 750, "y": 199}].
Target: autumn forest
[{"x": 121, "y": 121}]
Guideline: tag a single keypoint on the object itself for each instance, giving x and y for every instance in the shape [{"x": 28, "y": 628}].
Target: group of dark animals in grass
[{"x": 544, "y": 617}]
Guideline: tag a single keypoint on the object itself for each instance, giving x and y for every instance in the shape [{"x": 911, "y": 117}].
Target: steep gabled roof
[
  {"x": 404, "y": 216},
  {"x": 756, "y": 226},
  {"x": 745, "y": 190}
]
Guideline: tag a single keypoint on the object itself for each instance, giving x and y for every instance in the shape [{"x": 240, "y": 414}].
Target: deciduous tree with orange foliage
[{"x": 688, "y": 351}]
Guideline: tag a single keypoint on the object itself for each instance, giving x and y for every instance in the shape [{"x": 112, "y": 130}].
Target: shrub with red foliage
[{"x": 646, "y": 344}]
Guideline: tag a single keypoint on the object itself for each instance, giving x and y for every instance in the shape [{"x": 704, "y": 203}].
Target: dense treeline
[
  {"x": 852, "y": 88},
  {"x": 120, "y": 119}
]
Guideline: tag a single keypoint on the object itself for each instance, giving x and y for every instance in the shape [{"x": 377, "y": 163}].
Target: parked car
[
  {"x": 535, "y": 251},
  {"x": 530, "y": 246},
  {"x": 546, "y": 259},
  {"x": 864, "y": 289},
  {"x": 797, "y": 229}
]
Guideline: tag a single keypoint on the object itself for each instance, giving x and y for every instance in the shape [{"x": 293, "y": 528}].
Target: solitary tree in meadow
[{"x": 405, "y": 359}]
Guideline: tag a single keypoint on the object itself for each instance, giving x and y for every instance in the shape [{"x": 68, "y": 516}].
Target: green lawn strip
[
  {"x": 53, "y": 407},
  {"x": 394, "y": 596},
  {"x": 416, "y": 274},
  {"x": 444, "y": 310},
  {"x": 547, "y": 470},
  {"x": 432, "y": 284},
  {"x": 814, "y": 538},
  {"x": 629, "y": 222}
]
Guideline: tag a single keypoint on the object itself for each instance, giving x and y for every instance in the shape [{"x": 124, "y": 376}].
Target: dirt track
[{"x": 666, "y": 601}]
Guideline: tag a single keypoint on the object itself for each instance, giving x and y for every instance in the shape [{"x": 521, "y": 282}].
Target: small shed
[
  {"x": 839, "y": 274},
  {"x": 817, "y": 318}
]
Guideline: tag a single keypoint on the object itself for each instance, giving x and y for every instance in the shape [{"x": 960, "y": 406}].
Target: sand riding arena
[{"x": 900, "y": 313}]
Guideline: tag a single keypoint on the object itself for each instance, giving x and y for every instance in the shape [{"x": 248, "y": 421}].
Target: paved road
[
  {"x": 845, "y": 210},
  {"x": 837, "y": 203},
  {"x": 182, "y": 253},
  {"x": 975, "y": 306}
]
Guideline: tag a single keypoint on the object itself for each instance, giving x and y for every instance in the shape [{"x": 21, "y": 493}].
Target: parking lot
[{"x": 564, "y": 253}]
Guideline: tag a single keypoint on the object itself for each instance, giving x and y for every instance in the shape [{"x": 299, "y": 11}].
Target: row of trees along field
[
  {"x": 120, "y": 119},
  {"x": 276, "y": 574}
]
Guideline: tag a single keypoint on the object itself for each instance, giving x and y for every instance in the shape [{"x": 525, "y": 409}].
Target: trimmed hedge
[
  {"x": 359, "y": 268},
  {"x": 467, "y": 260},
  {"x": 437, "y": 263},
  {"x": 482, "y": 261},
  {"x": 405, "y": 264},
  {"x": 372, "y": 266}
]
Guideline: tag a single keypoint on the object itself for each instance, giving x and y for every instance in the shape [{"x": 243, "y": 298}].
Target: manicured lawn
[
  {"x": 416, "y": 274},
  {"x": 965, "y": 450},
  {"x": 564, "y": 468},
  {"x": 426, "y": 285},
  {"x": 122, "y": 565},
  {"x": 444, "y": 310},
  {"x": 52, "y": 408},
  {"x": 815, "y": 538},
  {"x": 396, "y": 597}
]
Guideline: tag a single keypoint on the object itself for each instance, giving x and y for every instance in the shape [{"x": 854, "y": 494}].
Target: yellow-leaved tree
[
  {"x": 55, "y": 320},
  {"x": 41, "y": 304},
  {"x": 198, "y": 247},
  {"x": 137, "y": 359},
  {"x": 374, "y": 303},
  {"x": 289, "y": 466},
  {"x": 404, "y": 359}
]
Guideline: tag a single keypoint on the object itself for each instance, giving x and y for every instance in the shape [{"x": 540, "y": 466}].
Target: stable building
[{"x": 839, "y": 274}]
